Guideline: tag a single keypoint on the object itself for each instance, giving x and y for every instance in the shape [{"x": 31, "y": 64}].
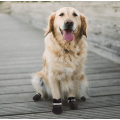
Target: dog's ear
[
  {"x": 50, "y": 24},
  {"x": 83, "y": 25}
]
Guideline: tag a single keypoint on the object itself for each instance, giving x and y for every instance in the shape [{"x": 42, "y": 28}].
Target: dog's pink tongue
[{"x": 68, "y": 35}]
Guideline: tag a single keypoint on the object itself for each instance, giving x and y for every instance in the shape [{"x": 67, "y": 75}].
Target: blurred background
[{"x": 103, "y": 21}]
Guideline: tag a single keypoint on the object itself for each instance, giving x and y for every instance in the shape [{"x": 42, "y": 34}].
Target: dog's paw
[
  {"x": 83, "y": 98},
  {"x": 57, "y": 106},
  {"x": 57, "y": 109},
  {"x": 72, "y": 103},
  {"x": 37, "y": 97}
]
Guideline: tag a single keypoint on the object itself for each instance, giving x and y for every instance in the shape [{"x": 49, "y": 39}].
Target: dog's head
[{"x": 67, "y": 23}]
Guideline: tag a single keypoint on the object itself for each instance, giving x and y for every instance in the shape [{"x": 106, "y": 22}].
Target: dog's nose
[{"x": 69, "y": 22}]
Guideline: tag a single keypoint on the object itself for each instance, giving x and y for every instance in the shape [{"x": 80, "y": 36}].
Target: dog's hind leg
[
  {"x": 83, "y": 88},
  {"x": 39, "y": 85}
]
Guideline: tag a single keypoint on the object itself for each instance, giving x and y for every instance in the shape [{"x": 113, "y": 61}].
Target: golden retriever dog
[{"x": 65, "y": 52}]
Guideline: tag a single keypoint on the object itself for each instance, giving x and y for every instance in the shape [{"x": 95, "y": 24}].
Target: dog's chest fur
[
  {"x": 68, "y": 61},
  {"x": 64, "y": 62}
]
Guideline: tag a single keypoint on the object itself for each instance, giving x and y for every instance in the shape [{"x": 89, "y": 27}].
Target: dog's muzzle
[
  {"x": 68, "y": 24},
  {"x": 67, "y": 30}
]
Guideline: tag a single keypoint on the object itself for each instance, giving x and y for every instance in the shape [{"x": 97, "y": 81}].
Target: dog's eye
[
  {"x": 74, "y": 14},
  {"x": 61, "y": 14}
]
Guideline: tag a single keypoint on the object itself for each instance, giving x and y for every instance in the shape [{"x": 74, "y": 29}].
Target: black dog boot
[
  {"x": 72, "y": 103},
  {"x": 83, "y": 98},
  {"x": 57, "y": 106},
  {"x": 37, "y": 97}
]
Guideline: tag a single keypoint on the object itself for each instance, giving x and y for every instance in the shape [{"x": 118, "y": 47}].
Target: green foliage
[{"x": 45, "y": 1}]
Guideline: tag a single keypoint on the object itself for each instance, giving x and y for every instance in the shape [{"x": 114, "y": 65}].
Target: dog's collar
[{"x": 66, "y": 50}]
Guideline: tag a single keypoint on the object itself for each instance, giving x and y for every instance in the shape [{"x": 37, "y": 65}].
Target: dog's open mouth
[{"x": 68, "y": 35}]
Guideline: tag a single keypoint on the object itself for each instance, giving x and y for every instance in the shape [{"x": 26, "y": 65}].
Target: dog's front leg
[
  {"x": 55, "y": 90},
  {"x": 71, "y": 99}
]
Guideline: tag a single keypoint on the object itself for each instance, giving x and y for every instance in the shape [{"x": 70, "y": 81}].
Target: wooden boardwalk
[{"x": 21, "y": 49}]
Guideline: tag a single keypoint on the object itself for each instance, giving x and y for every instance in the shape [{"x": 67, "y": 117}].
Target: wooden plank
[
  {"x": 21, "y": 66},
  {"x": 99, "y": 113},
  {"x": 94, "y": 91},
  {"x": 105, "y": 70},
  {"x": 18, "y": 82},
  {"x": 15, "y": 76},
  {"x": 107, "y": 65},
  {"x": 22, "y": 54},
  {"x": 45, "y": 106},
  {"x": 110, "y": 90},
  {"x": 89, "y": 76},
  {"x": 22, "y": 110},
  {"x": 104, "y": 83},
  {"x": 39, "y": 60},
  {"x": 20, "y": 58},
  {"x": 105, "y": 53},
  {"x": 27, "y": 97},
  {"x": 92, "y": 83},
  {"x": 16, "y": 98},
  {"x": 20, "y": 62},
  {"x": 38, "y": 56},
  {"x": 103, "y": 76},
  {"x": 16, "y": 89},
  {"x": 34, "y": 54},
  {"x": 30, "y": 66},
  {"x": 92, "y": 102},
  {"x": 21, "y": 70},
  {"x": 39, "y": 67}
]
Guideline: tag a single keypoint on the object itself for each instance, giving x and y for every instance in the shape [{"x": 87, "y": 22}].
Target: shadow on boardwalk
[{"x": 21, "y": 49}]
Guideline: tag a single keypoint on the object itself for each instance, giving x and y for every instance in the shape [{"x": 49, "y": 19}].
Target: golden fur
[{"x": 63, "y": 71}]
